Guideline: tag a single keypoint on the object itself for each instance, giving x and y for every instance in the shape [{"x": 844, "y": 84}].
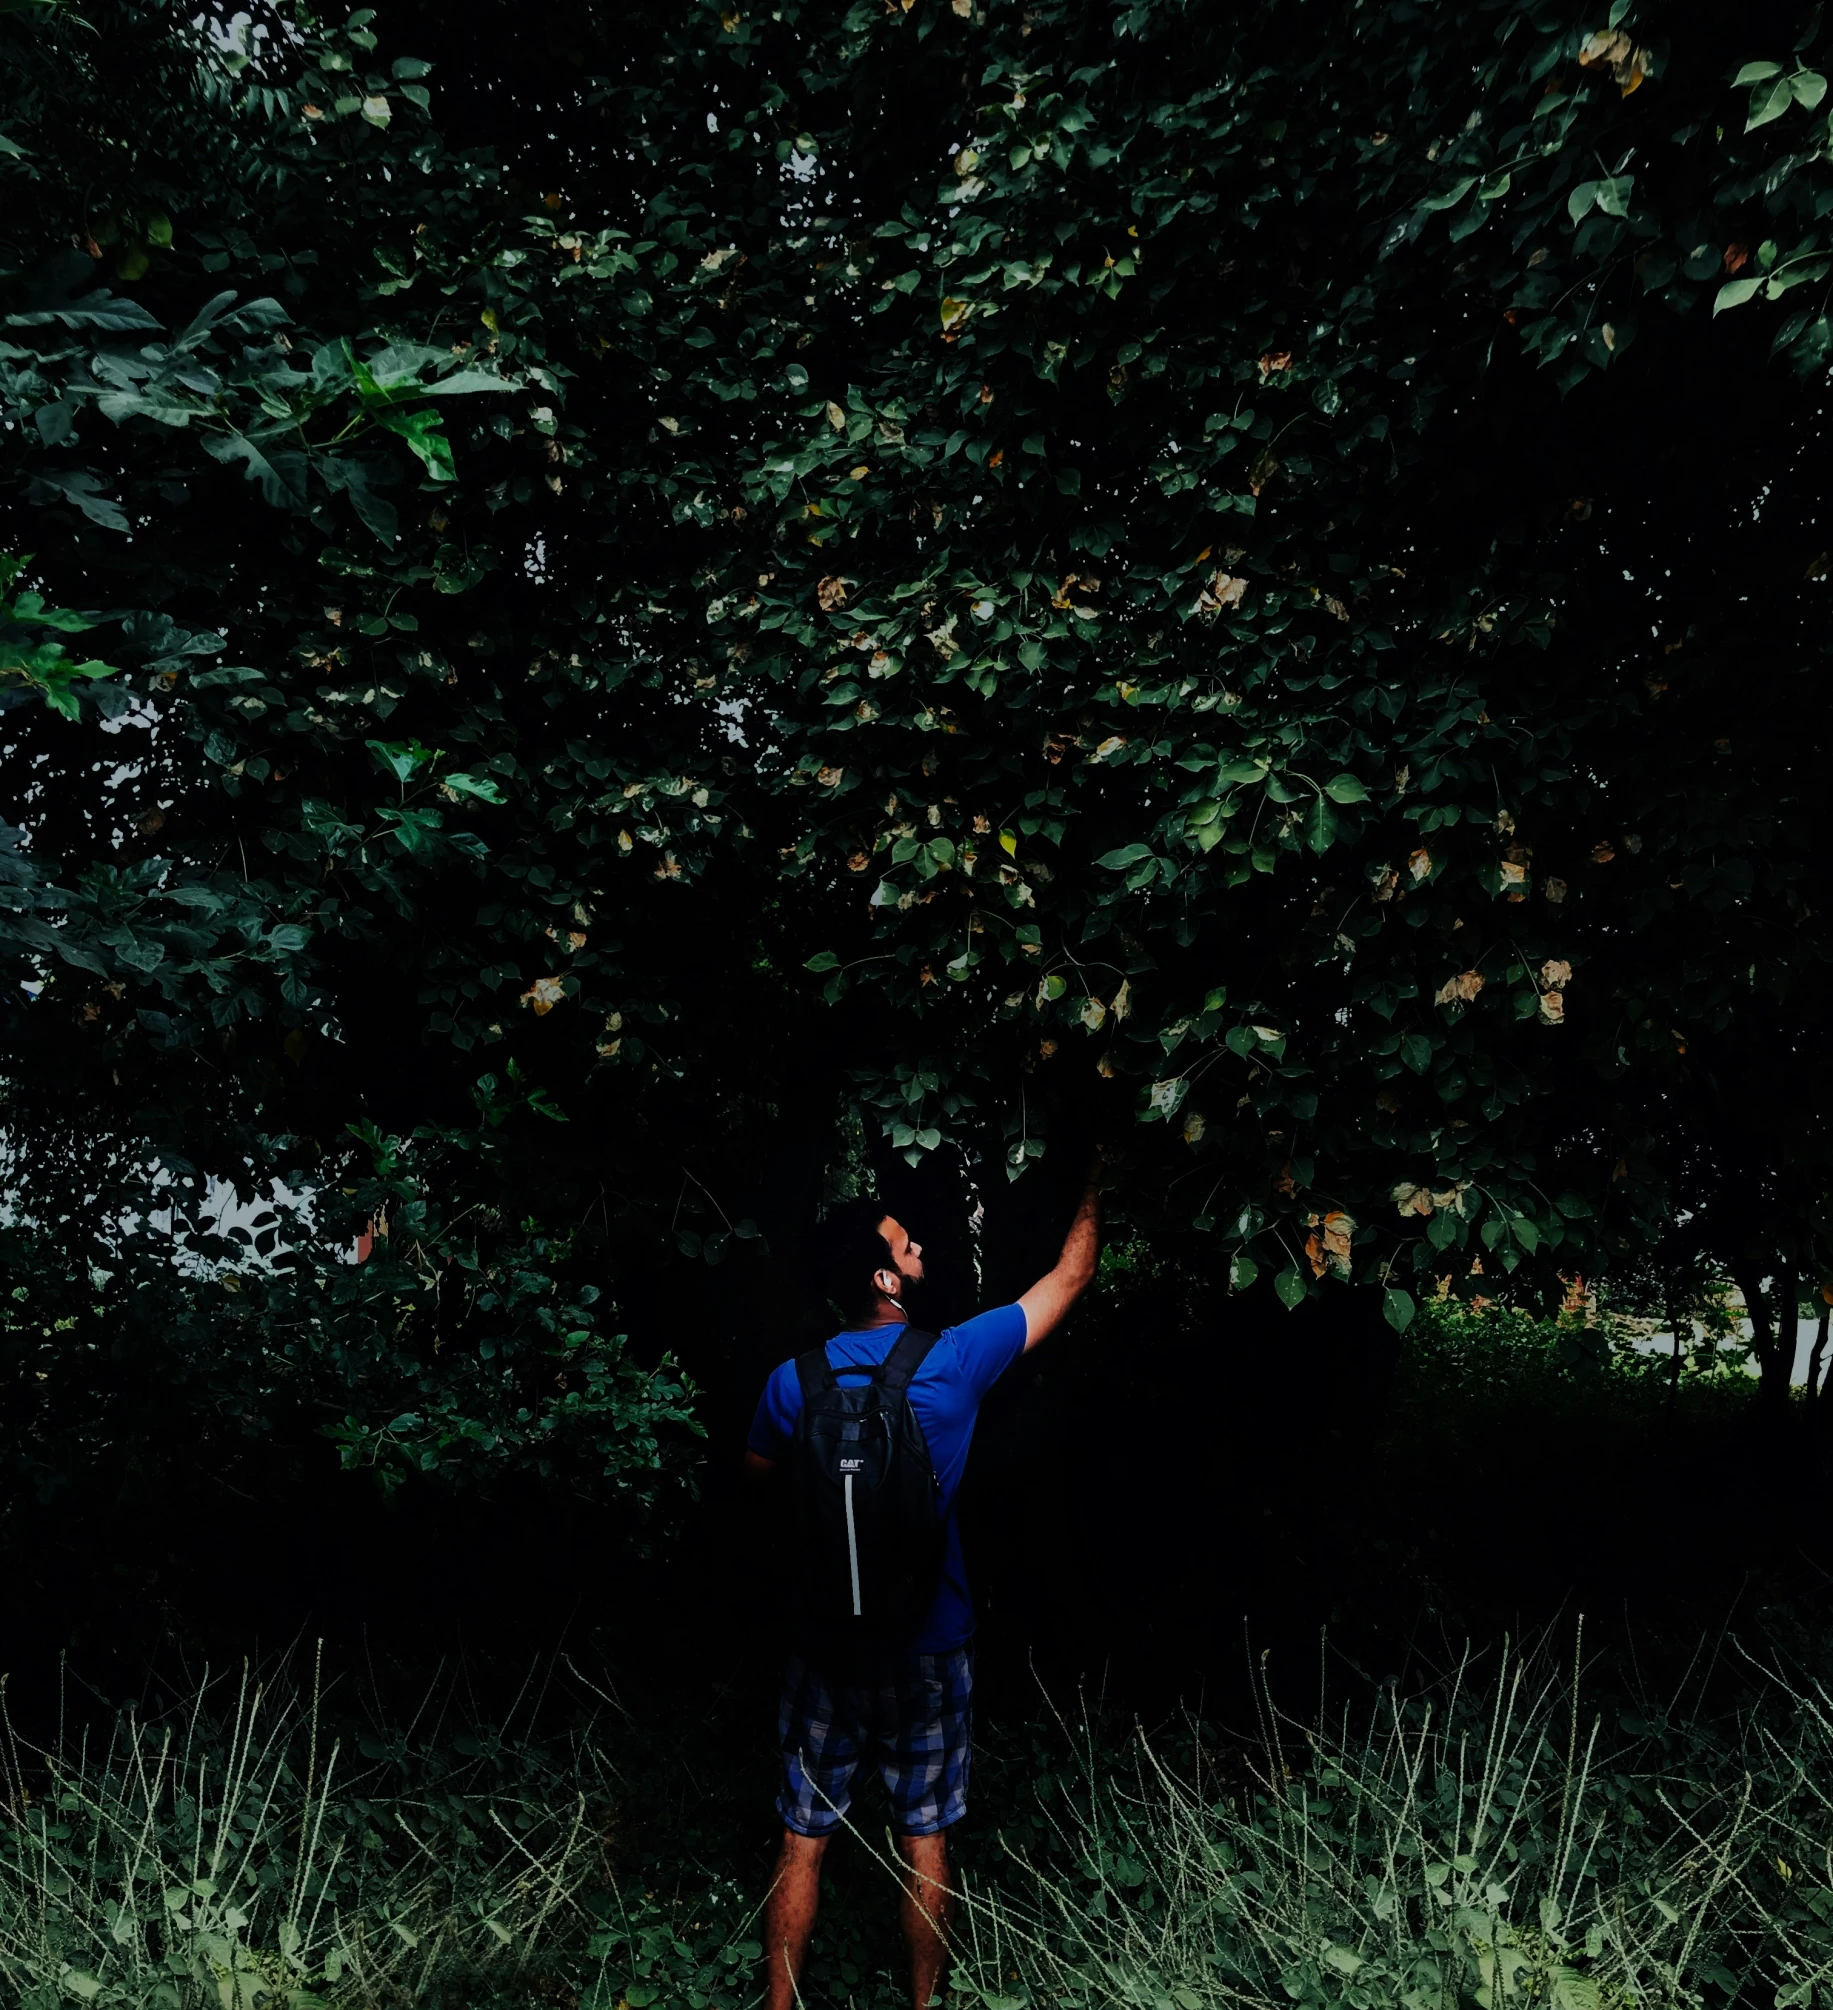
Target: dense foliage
[{"x": 1250, "y": 567}]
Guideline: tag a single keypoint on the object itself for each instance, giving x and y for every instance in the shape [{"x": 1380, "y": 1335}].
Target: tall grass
[
  {"x": 1496, "y": 1839},
  {"x": 1493, "y": 1844},
  {"x": 237, "y": 1854}
]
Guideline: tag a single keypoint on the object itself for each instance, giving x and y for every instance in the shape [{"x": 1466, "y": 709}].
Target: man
[{"x": 909, "y": 1713}]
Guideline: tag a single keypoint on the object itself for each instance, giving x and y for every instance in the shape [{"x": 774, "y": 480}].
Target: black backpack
[{"x": 869, "y": 1527}]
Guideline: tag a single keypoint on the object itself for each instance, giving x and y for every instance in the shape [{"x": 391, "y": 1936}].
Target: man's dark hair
[{"x": 848, "y": 1250}]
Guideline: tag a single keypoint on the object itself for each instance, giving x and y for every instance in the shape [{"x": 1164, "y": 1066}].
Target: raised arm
[{"x": 1048, "y": 1301}]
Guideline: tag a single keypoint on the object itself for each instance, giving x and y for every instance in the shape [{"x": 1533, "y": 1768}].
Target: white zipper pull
[{"x": 852, "y": 1544}]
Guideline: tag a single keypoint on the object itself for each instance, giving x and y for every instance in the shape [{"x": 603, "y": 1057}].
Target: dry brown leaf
[
  {"x": 831, "y": 592},
  {"x": 1419, "y": 864},
  {"x": 544, "y": 994},
  {"x": 1411, "y": 1199},
  {"x": 1555, "y": 973},
  {"x": 1608, "y": 46},
  {"x": 1328, "y": 1244},
  {"x": 1612, "y": 49},
  {"x": 1220, "y": 591},
  {"x": 1553, "y": 1007},
  {"x": 1556, "y": 890},
  {"x": 1461, "y": 989}
]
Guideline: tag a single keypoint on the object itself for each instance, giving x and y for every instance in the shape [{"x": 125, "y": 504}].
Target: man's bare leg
[
  {"x": 789, "y": 1916},
  {"x": 927, "y": 1912}
]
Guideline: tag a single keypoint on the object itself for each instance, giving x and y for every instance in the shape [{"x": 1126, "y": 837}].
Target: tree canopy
[{"x": 1245, "y": 576}]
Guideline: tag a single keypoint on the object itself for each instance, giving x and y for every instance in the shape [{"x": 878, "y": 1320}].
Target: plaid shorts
[{"x": 911, "y": 1717}]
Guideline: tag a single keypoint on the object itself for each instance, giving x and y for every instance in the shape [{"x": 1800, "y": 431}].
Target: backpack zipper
[{"x": 852, "y": 1544}]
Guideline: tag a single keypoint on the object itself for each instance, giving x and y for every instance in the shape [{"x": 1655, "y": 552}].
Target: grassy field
[{"x": 1497, "y": 1832}]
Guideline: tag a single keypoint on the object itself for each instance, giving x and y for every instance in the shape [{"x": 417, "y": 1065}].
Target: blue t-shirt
[{"x": 945, "y": 1393}]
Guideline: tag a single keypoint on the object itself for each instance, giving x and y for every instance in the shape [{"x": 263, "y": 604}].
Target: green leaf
[
  {"x": 1320, "y": 824},
  {"x": 1450, "y": 198},
  {"x": 1346, "y": 789},
  {"x": 30, "y": 607},
  {"x": 1578, "y": 203},
  {"x": 823, "y": 959},
  {"x": 482, "y": 787},
  {"x": 85, "y": 490},
  {"x": 424, "y": 434},
  {"x": 1242, "y": 1270},
  {"x": 281, "y": 476},
  {"x": 1289, "y": 1287},
  {"x": 1809, "y": 87},
  {"x": 1575, "y": 1991},
  {"x": 468, "y": 383},
  {"x": 1613, "y": 195},
  {"x": 1735, "y": 292},
  {"x": 402, "y": 758},
  {"x": 1128, "y": 854},
  {"x": 1397, "y": 1308},
  {"x": 1416, "y": 1052},
  {"x": 1767, "y": 102},
  {"x": 1754, "y": 73}
]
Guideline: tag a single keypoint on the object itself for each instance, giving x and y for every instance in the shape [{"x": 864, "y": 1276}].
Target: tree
[{"x": 969, "y": 561}]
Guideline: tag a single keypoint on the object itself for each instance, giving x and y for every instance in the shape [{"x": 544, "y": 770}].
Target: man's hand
[{"x": 1048, "y": 1301}]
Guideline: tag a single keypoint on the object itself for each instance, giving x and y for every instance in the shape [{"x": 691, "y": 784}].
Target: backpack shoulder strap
[
  {"x": 814, "y": 1374},
  {"x": 906, "y": 1358}
]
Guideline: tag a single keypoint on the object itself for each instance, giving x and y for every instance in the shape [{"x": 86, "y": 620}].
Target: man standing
[{"x": 906, "y": 1706}]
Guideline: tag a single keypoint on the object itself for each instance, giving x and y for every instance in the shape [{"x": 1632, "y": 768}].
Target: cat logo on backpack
[{"x": 870, "y": 1537}]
